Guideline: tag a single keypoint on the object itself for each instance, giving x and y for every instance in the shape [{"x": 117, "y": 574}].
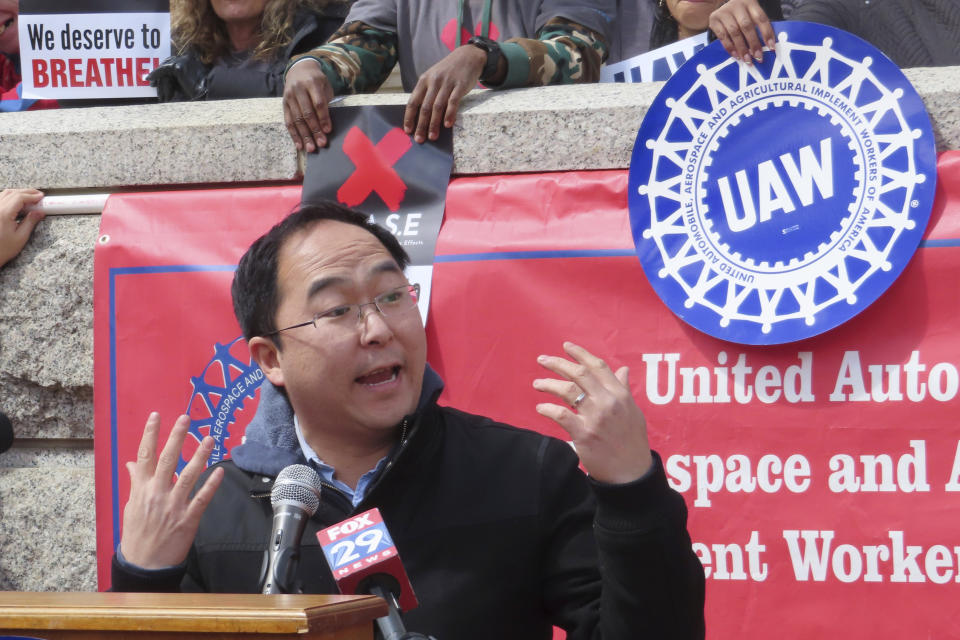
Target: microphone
[
  {"x": 295, "y": 497},
  {"x": 364, "y": 560},
  {"x": 6, "y": 432}
]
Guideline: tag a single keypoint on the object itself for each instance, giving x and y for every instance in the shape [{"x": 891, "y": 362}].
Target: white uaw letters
[{"x": 774, "y": 194}]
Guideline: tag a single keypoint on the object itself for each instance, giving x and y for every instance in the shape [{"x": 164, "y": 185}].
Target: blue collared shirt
[{"x": 327, "y": 472}]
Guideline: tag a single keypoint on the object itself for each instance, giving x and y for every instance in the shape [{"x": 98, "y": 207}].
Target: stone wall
[{"x": 47, "y": 533}]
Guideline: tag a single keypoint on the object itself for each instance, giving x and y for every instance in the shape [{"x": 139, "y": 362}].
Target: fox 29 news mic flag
[
  {"x": 82, "y": 49},
  {"x": 359, "y": 549},
  {"x": 371, "y": 165}
]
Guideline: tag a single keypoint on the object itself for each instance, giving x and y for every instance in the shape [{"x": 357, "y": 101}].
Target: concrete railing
[{"x": 47, "y": 535}]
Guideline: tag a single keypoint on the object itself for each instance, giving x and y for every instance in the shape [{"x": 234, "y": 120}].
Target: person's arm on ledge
[
  {"x": 356, "y": 59},
  {"x": 563, "y": 52}
]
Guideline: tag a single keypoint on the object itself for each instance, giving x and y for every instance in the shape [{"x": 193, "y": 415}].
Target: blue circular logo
[{"x": 770, "y": 203}]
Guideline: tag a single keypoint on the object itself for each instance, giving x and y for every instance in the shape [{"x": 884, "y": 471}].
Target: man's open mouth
[{"x": 379, "y": 376}]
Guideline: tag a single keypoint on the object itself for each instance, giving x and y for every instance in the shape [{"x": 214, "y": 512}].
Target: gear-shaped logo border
[
  {"x": 220, "y": 390},
  {"x": 739, "y": 298}
]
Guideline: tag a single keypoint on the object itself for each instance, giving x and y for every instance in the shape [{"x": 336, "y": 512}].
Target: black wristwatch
[{"x": 492, "y": 49}]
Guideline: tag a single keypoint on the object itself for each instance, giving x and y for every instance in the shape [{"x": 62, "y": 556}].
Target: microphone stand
[{"x": 390, "y": 626}]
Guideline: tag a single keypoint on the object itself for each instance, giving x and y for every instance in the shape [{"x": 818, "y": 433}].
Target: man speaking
[{"x": 501, "y": 534}]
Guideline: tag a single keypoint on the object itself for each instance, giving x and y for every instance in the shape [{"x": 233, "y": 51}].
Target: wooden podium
[{"x": 200, "y": 616}]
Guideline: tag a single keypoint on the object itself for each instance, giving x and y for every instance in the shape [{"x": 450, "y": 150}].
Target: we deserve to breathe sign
[
  {"x": 93, "y": 48},
  {"x": 775, "y": 201}
]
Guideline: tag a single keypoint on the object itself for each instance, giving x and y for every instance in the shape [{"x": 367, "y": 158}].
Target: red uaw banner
[
  {"x": 81, "y": 49},
  {"x": 822, "y": 476}
]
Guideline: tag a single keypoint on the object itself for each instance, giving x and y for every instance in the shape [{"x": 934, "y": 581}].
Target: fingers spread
[
  {"x": 170, "y": 455},
  {"x": 589, "y": 372},
  {"x": 563, "y": 416},
  {"x": 203, "y": 496},
  {"x": 563, "y": 389},
  {"x": 147, "y": 452},
  {"x": 191, "y": 473}
]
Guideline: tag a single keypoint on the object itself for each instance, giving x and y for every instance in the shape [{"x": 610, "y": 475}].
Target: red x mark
[
  {"x": 449, "y": 34},
  {"x": 374, "y": 168}
]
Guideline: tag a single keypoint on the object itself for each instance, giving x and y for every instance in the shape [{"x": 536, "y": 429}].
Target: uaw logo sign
[{"x": 773, "y": 202}]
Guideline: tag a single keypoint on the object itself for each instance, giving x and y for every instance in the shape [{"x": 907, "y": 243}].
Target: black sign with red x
[{"x": 371, "y": 165}]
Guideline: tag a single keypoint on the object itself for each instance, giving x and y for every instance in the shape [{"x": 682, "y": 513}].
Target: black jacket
[
  {"x": 912, "y": 33},
  {"x": 184, "y": 77},
  {"x": 500, "y": 532}
]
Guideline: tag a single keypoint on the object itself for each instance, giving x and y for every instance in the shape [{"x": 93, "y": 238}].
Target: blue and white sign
[
  {"x": 772, "y": 202},
  {"x": 656, "y": 65}
]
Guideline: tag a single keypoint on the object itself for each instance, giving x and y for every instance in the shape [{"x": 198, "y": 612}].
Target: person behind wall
[
  {"x": 678, "y": 19},
  {"x": 15, "y": 226},
  {"x": 444, "y": 48},
  {"x": 912, "y": 33},
  {"x": 630, "y": 32},
  {"x": 11, "y": 88},
  {"x": 240, "y": 48},
  {"x": 501, "y": 533}
]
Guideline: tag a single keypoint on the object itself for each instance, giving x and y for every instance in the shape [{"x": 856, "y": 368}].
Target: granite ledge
[{"x": 536, "y": 129}]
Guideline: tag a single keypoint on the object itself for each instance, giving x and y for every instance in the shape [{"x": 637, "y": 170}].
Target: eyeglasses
[{"x": 390, "y": 303}]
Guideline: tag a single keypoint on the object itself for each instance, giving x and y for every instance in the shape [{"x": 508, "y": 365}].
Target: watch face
[
  {"x": 486, "y": 44},
  {"x": 492, "y": 48}
]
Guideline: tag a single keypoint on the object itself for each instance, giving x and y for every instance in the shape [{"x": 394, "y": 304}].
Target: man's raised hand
[
  {"x": 160, "y": 518},
  {"x": 598, "y": 411}
]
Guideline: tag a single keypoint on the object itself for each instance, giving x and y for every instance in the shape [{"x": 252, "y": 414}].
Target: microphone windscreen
[
  {"x": 297, "y": 485},
  {"x": 6, "y": 433}
]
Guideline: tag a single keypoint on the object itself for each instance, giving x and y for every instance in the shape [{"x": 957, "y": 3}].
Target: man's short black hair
[{"x": 255, "y": 287}]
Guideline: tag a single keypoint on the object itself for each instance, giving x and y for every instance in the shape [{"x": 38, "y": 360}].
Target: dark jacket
[
  {"x": 912, "y": 33},
  {"x": 500, "y": 532},
  {"x": 236, "y": 75}
]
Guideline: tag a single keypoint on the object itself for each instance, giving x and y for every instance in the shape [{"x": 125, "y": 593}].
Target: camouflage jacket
[{"x": 360, "y": 56}]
